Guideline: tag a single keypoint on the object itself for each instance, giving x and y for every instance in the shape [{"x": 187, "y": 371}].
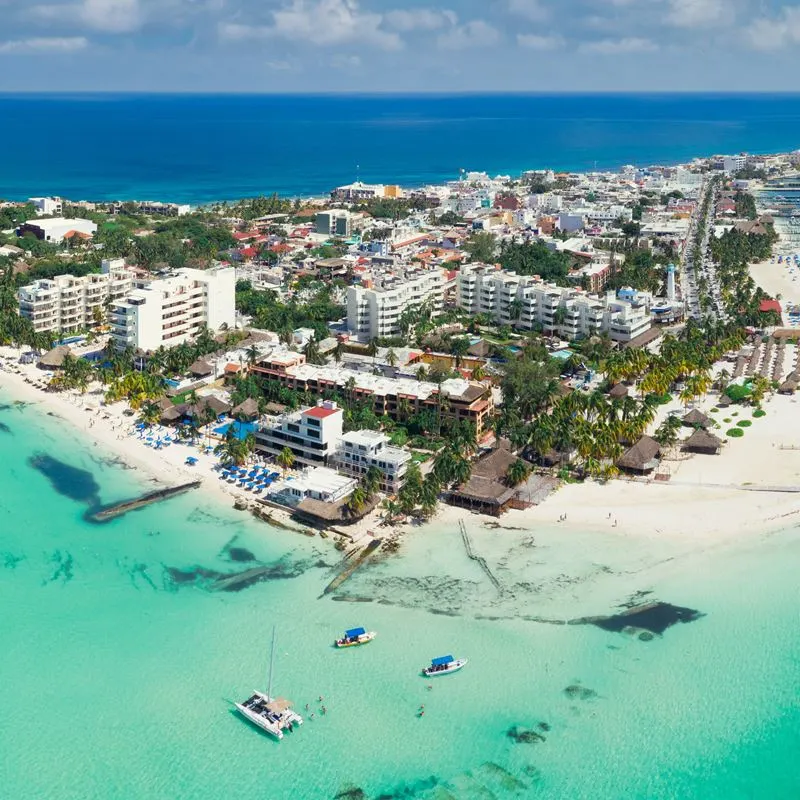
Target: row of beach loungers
[{"x": 254, "y": 480}]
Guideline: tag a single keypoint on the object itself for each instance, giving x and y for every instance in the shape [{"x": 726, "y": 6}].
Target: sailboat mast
[{"x": 271, "y": 663}]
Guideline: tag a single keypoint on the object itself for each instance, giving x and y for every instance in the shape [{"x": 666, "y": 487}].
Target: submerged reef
[
  {"x": 214, "y": 580},
  {"x": 72, "y": 482},
  {"x": 653, "y": 618}
]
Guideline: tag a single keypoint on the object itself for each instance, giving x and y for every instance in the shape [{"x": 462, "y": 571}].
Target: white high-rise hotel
[
  {"x": 171, "y": 310},
  {"x": 374, "y": 309},
  {"x": 528, "y": 302},
  {"x": 67, "y": 303}
]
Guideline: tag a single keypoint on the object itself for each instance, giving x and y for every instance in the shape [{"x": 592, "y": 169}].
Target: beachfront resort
[{"x": 360, "y": 362}]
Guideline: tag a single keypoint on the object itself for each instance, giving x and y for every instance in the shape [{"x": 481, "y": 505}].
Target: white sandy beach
[
  {"x": 706, "y": 500},
  {"x": 108, "y": 428},
  {"x": 779, "y": 280}
]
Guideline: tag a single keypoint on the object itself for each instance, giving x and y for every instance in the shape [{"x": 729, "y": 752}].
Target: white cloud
[
  {"x": 693, "y": 13},
  {"x": 342, "y": 61},
  {"x": 613, "y": 47},
  {"x": 530, "y": 9},
  {"x": 68, "y": 44},
  {"x": 534, "y": 42},
  {"x": 420, "y": 19},
  {"x": 776, "y": 33},
  {"x": 476, "y": 33},
  {"x": 110, "y": 16},
  {"x": 320, "y": 22}
]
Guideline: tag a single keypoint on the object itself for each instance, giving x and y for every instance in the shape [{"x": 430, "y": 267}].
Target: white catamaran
[{"x": 272, "y": 714}]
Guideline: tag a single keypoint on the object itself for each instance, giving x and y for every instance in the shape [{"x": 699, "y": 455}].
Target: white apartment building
[
  {"x": 172, "y": 310},
  {"x": 55, "y": 230},
  {"x": 337, "y": 222},
  {"x": 68, "y": 304},
  {"x": 734, "y": 163},
  {"x": 47, "y": 206},
  {"x": 359, "y": 191},
  {"x": 529, "y": 303},
  {"x": 312, "y": 435},
  {"x": 360, "y": 450},
  {"x": 374, "y": 310}
]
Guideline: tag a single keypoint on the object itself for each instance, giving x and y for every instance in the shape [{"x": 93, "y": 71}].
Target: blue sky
[{"x": 397, "y": 45}]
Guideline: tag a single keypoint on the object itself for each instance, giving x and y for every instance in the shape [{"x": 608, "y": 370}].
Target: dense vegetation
[{"x": 270, "y": 313}]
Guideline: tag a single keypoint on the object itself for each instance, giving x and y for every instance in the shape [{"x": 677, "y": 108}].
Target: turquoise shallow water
[{"x": 116, "y": 682}]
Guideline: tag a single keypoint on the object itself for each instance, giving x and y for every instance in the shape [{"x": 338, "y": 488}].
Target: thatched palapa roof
[
  {"x": 696, "y": 419},
  {"x": 201, "y": 368},
  {"x": 618, "y": 391},
  {"x": 701, "y": 441},
  {"x": 248, "y": 409},
  {"x": 487, "y": 484},
  {"x": 642, "y": 457},
  {"x": 54, "y": 358}
]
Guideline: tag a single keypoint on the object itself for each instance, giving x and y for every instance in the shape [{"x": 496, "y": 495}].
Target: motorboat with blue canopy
[
  {"x": 355, "y": 637},
  {"x": 443, "y": 665}
]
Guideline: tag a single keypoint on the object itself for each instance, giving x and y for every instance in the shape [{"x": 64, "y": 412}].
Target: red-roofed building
[
  {"x": 245, "y": 236},
  {"x": 312, "y": 435},
  {"x": 770, "y": 305}
]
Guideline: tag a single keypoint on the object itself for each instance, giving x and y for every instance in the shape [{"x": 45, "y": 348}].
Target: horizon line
[{"x": 406, "y": 93}]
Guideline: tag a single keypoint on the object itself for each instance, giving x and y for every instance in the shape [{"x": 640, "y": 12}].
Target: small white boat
[
  {"x": 443, "y": 665},
  {"x": 355, "y": 637}
]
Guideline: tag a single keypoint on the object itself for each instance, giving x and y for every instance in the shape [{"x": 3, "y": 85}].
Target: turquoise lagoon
[{"x": 118, "y": 672}]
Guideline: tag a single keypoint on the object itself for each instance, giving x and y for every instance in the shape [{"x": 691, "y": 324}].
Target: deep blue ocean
[{"x": 199, "y": 148}]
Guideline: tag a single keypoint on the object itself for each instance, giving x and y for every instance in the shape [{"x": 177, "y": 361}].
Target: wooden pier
[
  {"x": 118, "y": 509},
  {"x": 480, "y": 560}
]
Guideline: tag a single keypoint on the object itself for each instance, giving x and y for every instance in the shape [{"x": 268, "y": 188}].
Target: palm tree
[
  {"x": 391, "y": 357},
  {"x": 372, "y": 481},
  {"x": 391, "y": 510},
  {"x": 285, "y": 459},
  {"x": 357, "y": 500},
  {"x": 252, "y": 354},
  {"x": 150, "y": 413},
  {"x": 459, "y": 347},
  {"x": 421, "y": 373},
  {"x": 372, "y": 348}
]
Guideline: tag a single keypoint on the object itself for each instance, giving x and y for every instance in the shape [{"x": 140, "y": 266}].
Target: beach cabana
[
  {"x": 789, "y": 386},
  {"x": 54, "y": 359},
  {"x": 219, "y": 407},
  {"x": 642, "y": 457},
  {"x": 701, "y": 441},
  {"x": 248, "y": 410},
  {"x": 173, "y": 413},
  {"x": 487, "y": 490},
  {"x": 201, "y": 369},
  {"x": 697, "y": 419},
  {"x": 618, "y": 392}
]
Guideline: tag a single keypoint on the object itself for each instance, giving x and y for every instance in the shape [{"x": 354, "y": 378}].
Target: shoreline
[{"x": 105, "y": 427}]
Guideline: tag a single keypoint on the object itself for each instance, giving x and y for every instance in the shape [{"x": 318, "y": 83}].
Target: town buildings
[
  {"x": 172, "y": 310},
  {"x": 336, "y": 222},
  {"x": 48, "y": 206},
  {"x": 529, "y": 303},
  {"x": 361, "y": 450},
  {"x": 312, "y": 435},
  {"x": 399, "y": 398},
  {"x": 57, "y": 229},
  {"x": 68, "y": 303},
  {"x": 374, "y": 308}
]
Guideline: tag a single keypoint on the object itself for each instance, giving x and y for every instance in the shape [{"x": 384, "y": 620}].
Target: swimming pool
[{"x": 240, "y": 429}]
